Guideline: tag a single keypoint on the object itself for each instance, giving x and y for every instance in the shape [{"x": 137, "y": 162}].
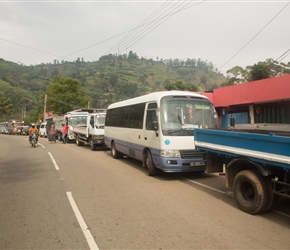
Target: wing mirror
[{"x": 155, "y": 126}]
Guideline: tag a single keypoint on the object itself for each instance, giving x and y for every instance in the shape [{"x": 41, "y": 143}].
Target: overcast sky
[{"x": 226, "y": 33}]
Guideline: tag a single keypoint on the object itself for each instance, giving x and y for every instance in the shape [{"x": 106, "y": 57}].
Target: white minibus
[{"x": 157, "y": 129}]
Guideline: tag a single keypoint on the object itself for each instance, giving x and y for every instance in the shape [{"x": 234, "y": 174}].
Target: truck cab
[
  {"x": 42, "y": 130},
  {"x": 89, "y": 128}
]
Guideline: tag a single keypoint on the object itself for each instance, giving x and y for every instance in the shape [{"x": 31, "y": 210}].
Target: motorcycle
[{"x": 34, "y": 139}]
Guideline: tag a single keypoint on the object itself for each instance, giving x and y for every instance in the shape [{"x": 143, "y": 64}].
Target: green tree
[
  {"x": 65, "y": 94},
  {"x": 237, "y": 75},
  {"x": 180, "y": 85},
  {"x": 191, "y": 87},
  {"x": 260, "y": 71},
  {"x": 170, "y": 86},
  {"x": 5, "y": 105}
]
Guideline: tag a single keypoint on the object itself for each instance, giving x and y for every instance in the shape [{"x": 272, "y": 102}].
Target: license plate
[{"x": 196, "y": 163}]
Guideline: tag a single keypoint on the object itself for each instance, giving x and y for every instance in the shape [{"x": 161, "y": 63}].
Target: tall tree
[
  {"x": 65, "y": 94},
  {"x": 260, "y": 71},
  {"x": 237, "y": 75},
  {"x": 5, "y": 105},
  {"x": 181, "y": 85}
]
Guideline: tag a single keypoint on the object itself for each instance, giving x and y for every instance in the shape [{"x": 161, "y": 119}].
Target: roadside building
[{"x": 262, "y": 101}]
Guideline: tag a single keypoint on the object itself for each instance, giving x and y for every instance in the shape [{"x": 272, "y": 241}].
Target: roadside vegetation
[{"x": 69, "y": 85}]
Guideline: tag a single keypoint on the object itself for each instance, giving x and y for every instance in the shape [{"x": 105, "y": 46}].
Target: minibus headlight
[{"x": 170, "y": 153}]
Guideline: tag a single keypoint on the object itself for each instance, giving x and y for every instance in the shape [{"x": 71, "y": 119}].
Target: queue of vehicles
[
  {"x": 13, "y": 127},
  {"x": 84, "y": 126},
  {"x": 177, "y": 131}
]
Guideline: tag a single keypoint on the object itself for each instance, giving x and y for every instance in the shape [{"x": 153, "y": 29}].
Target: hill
[{"x": 110, "y": 79}]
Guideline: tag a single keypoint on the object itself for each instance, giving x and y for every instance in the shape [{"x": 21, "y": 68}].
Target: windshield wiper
[{"x": 179, "y": 119}]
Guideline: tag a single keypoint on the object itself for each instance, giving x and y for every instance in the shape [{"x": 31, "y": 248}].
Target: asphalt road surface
[{"x": 61, "y": 196}]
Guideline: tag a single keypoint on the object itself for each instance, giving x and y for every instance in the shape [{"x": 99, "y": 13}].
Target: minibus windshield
[{"x": 179, "y": 117}]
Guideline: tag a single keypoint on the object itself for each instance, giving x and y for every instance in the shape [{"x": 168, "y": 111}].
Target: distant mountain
[{"x": 110, "y": 79}]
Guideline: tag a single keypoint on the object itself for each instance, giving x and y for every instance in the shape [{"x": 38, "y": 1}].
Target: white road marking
[
  {"x": 40, "y": 145},
  {"x": 197, "y": 183},
  {"x": 54, "y": 162},
  {"x": 84, "y": 227}
]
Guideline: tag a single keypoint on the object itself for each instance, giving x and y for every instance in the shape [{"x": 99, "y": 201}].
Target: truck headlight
[{"x": 170, "y": 153}]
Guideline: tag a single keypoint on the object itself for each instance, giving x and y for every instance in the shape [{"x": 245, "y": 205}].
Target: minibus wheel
[
  {"x": 116, "y": 154},
  {"x": 148, "y": 162}
]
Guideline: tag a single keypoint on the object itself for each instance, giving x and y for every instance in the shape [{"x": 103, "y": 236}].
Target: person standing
[
  {"x": 64, "y": 132},
  {"x": 51, "y": 134}
]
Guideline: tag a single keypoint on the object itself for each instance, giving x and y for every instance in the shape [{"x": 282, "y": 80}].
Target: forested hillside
[{"x": 110, "y": 79}]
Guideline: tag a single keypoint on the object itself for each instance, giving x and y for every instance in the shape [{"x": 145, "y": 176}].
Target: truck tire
[
  {"x": 149, "y": 164},
  {"x": 115, "y": 154},
  {"x": 92, "y": 145},
  {"x": 78, "y": 142},
  {"x": 251, "y": 191},
  {"x": 271, "y": 197}
]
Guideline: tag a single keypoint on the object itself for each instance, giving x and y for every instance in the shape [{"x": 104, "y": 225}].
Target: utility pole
[
  {"x": 23, "y": 112},
  {"x": 44, "y": 111}
]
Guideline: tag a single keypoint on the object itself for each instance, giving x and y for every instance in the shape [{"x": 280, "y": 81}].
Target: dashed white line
[
  {"x": 54, "y": 162},
  {"x": 82, "y": 223},
  {"x": 40, "y": 145}
]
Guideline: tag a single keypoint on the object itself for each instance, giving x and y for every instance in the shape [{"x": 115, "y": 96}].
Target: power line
[
  {"x": 254, "y": 36},
  {"x": 140, "y": 25},
  {"x": 132, "y": 30},
  {"x": 153, "y": 25},
  {"x": 157, "y": 22},
  {"x": 283, "y": 56},
  {"x": 42, "y": 51},
  {"x": 131, "y": 39},
  {"x": 65, "y": 103}
]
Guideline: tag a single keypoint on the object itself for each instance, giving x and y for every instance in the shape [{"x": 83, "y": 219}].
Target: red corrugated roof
[
  {"x": 266, "y": 90},
  {"x": 208, "y": 95}
]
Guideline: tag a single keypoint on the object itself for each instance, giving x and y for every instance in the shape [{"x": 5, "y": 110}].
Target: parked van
[{"x": 42, "y": 130}]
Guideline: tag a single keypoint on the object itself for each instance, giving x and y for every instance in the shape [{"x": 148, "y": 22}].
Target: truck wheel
[
  {"x": 92, "y": 145},
  {"x": 149, "y": 164},
  {"x": 251, "y": 191},
  {"x": 116, "y": 154},
  {"x": 271, "y": 197},
  {"x": 78, "y": 142}
]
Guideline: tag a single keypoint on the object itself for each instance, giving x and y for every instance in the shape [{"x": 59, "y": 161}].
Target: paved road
[{"x": 60, "y": 196}]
